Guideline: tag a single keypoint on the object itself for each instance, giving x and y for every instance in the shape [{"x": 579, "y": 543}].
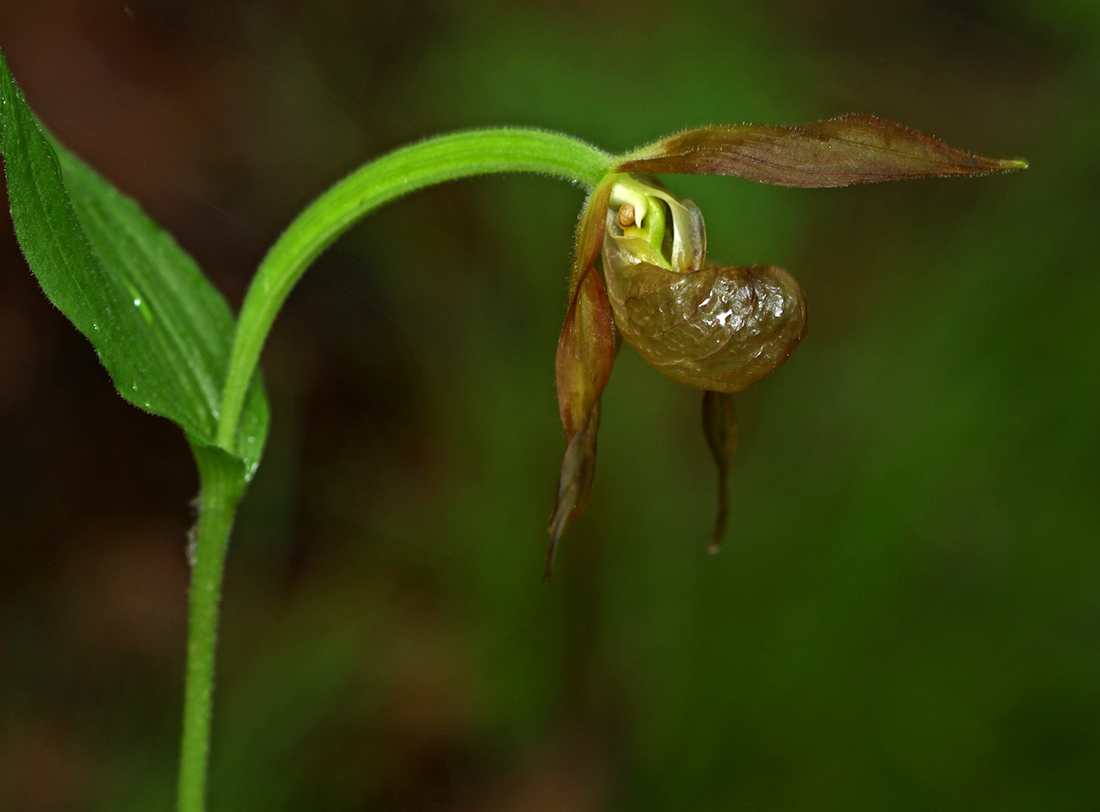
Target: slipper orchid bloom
[{"x": 640, "y": 273}]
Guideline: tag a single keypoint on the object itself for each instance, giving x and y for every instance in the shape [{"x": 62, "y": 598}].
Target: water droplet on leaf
[{"x": 140, "y": 303}]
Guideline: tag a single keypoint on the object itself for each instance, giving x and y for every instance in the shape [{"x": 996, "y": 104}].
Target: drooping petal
[
  {"x": 720, "y": 428},
  {"x": 578, "y": 467},
  {"x": 586, "y": 353},
  {"x": 838, "y": 152},
  {"x": 589, "y": 238}
]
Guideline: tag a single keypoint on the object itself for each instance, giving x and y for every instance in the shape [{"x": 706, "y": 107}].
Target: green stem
[
  {"x": 436, "y": 160},
  {"x": 222, "y": 477},
  {"x": 221, "y": 486}
]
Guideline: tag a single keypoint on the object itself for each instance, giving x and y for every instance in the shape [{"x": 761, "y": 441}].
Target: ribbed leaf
[{"x": 159, "y": 327}]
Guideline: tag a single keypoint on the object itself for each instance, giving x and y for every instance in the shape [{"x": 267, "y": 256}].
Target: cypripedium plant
[{"x": 640, "y": 272}]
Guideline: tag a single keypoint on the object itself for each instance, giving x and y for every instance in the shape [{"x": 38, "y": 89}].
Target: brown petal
[
  {"x": 586, "y": 353},
  {"x": 590, "y": 231},
  {"x": 578, "y": 468},
  {"x": 720, "y": 427},
  {"x": 838, "y": 152}
]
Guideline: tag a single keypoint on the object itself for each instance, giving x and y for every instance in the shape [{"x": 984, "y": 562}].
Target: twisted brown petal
[
  {"x": 838, "y": 152},
  {"x": 720, "y": 427},
  {"x": 590, "y": 232},
  {"x": 586, "y": 353},
  {"x": 578, "y": 467}
]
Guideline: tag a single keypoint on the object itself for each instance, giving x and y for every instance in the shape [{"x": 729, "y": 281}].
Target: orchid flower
[{"x": 640, "y": 273}]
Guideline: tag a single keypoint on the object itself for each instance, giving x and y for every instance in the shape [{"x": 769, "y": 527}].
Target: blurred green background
[{"x": 906, "y": 615}]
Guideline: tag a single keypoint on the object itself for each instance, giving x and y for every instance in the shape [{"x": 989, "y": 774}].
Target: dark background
[{"x": 907, "y": 612}]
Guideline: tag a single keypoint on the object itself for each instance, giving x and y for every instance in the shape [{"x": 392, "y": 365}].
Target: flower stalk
[{"x": 436, "y": 160}]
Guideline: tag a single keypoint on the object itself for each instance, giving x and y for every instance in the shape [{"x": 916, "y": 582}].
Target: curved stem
[
  {"x": 222, "y": 475},
  {"x": 436, "y": 160}
]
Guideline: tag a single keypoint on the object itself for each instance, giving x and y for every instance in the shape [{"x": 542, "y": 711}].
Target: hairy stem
[{"x": 221, "y": 487}]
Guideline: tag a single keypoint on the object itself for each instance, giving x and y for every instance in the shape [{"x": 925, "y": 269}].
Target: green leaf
[{"x": 159, "y": 327}]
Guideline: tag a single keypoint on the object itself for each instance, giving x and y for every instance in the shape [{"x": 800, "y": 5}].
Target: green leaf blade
[{"x": 159, "y": 327}]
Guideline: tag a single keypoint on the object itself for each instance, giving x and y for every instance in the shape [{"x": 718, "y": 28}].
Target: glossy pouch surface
[{"x": 713, "y": 328}]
